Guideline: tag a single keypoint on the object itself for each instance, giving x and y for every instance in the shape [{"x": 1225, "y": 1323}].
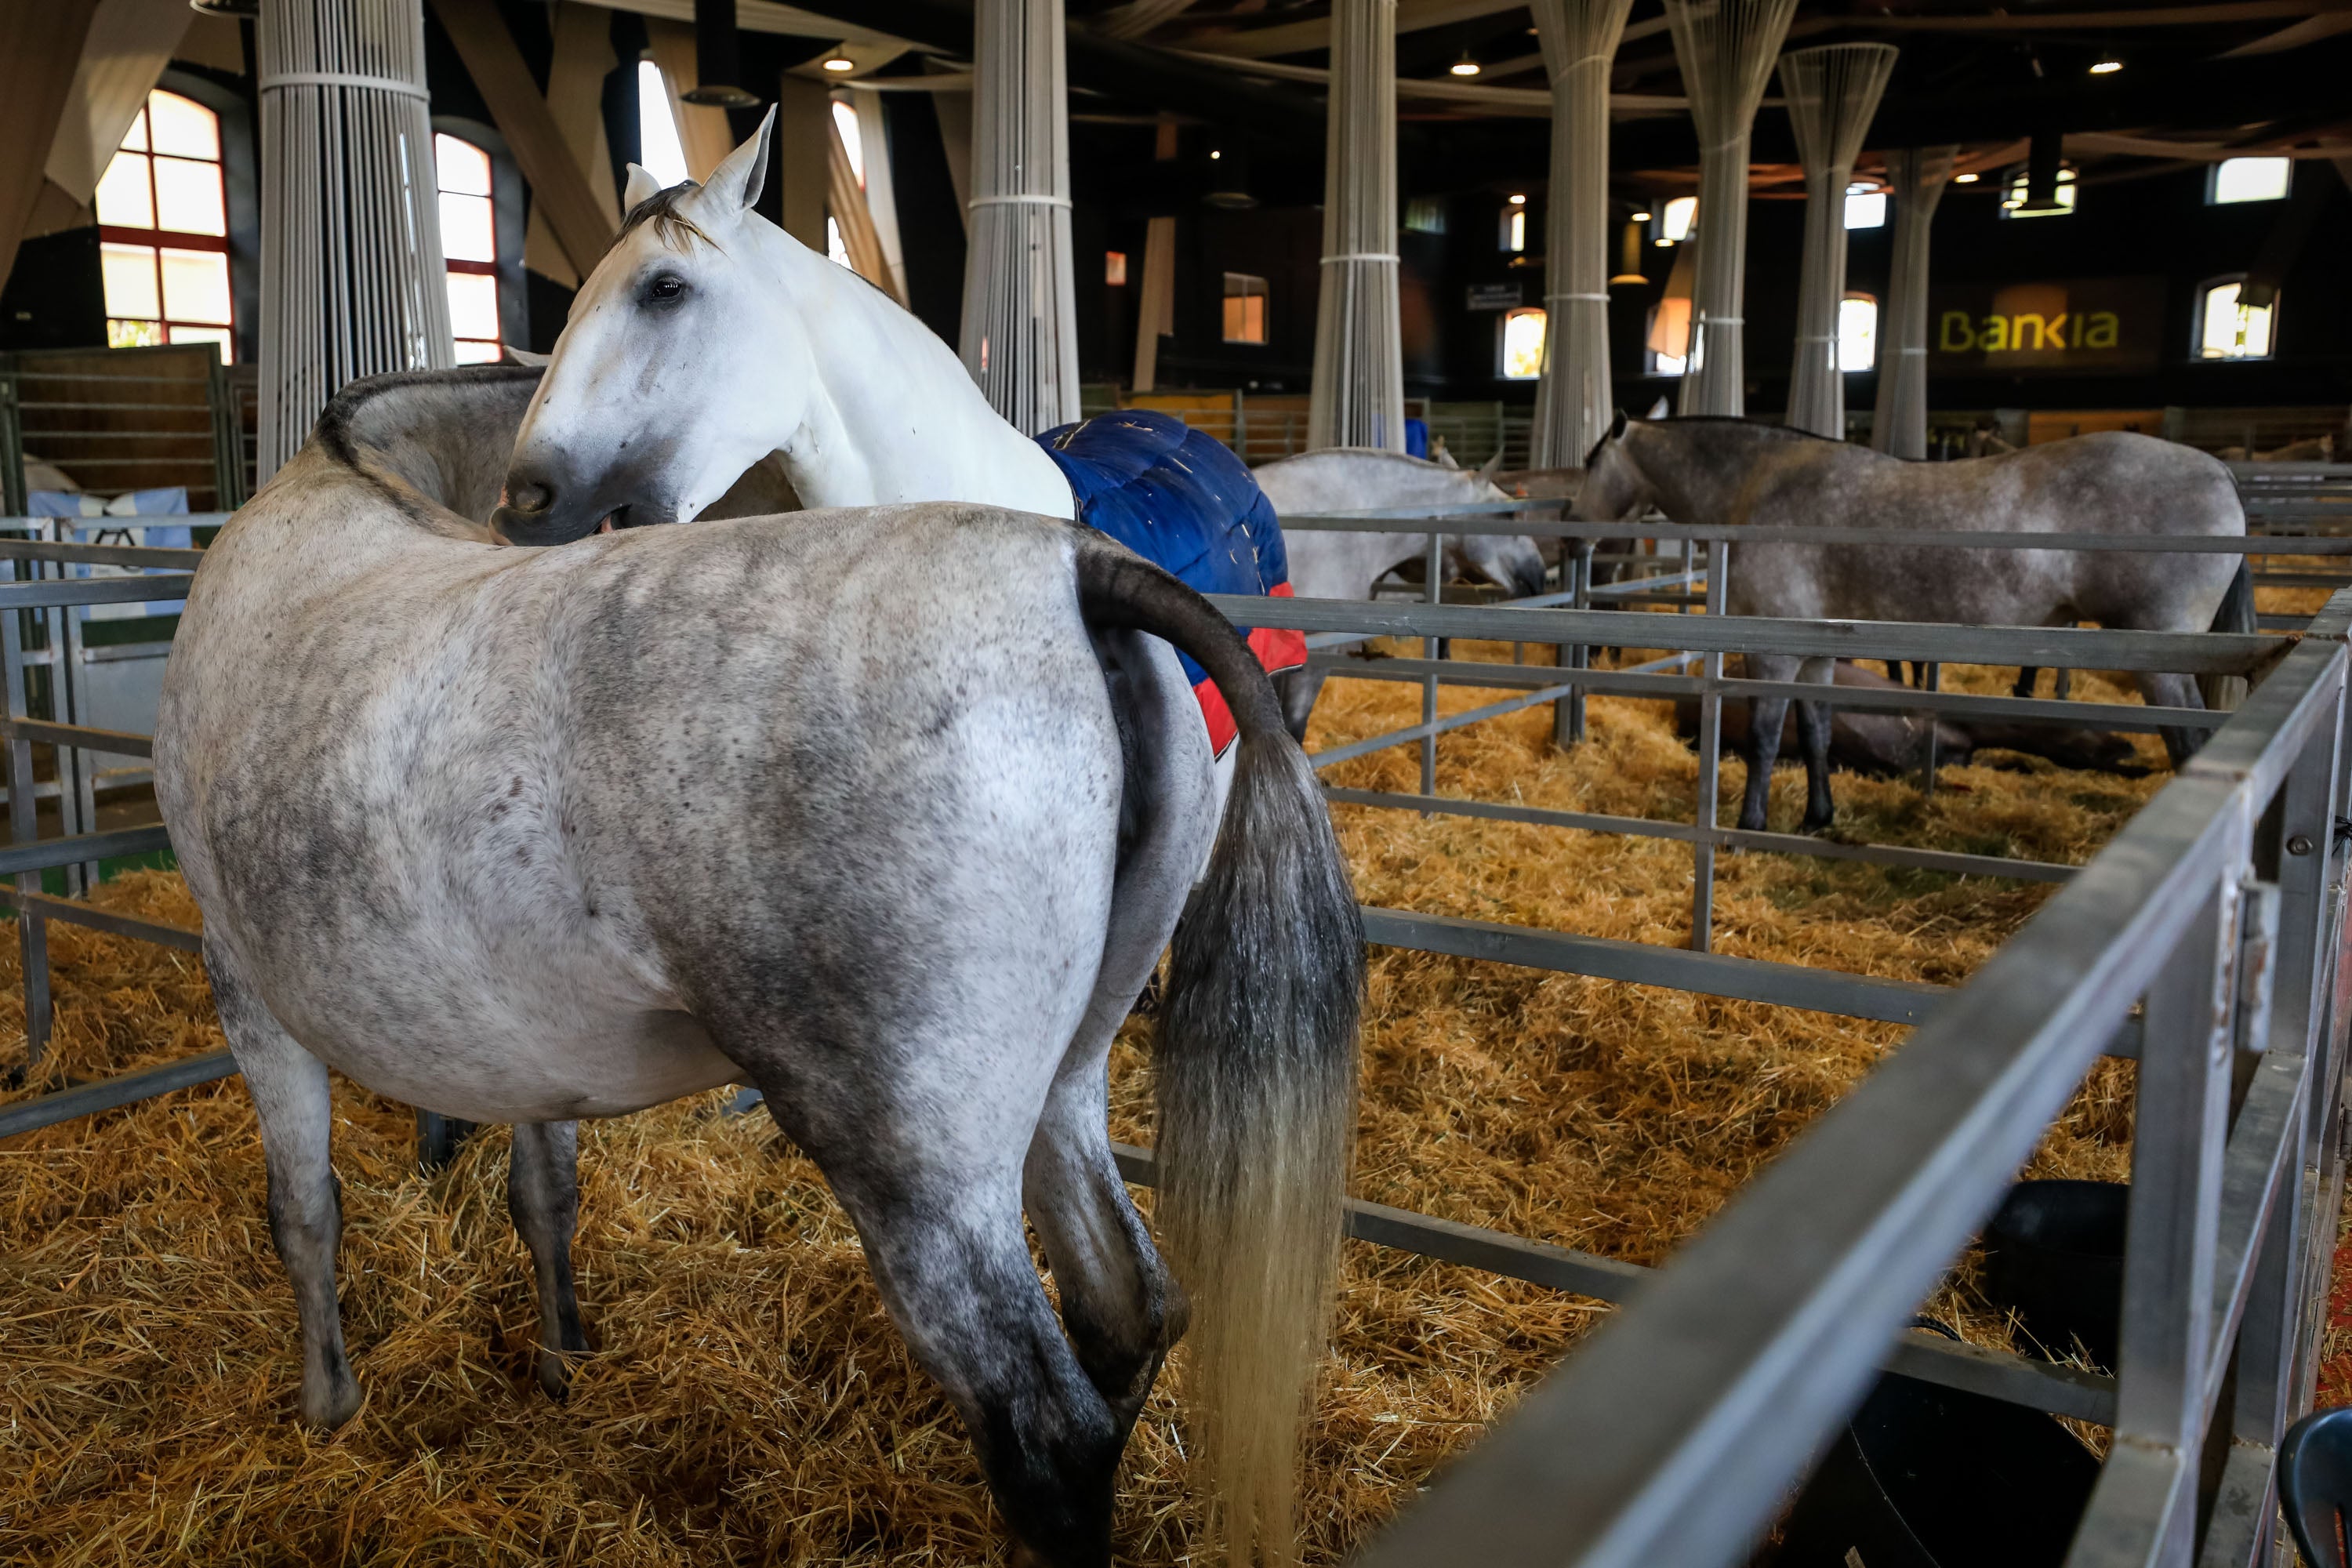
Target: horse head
[
  {"x": 1615, "y": 490},
  {"x": 646, "y": 413},
  {"x": 1512, "y": 560}
]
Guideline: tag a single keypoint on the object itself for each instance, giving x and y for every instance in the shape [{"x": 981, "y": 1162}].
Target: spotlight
[
  {"x": 840, "y": 63},
  {"x": 1641, "y": 217},
  {"x": 1214, "y": 154},
  {"x": 2107, "y": 66},
  {"x": 1964, "y": 179},
  {"x": 1466, "y": 66},
  {"x": 1518, "y": 201}
]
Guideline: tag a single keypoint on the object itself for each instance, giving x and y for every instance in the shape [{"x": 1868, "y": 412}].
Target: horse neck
[
  {"x": 891, "y": 413},
  {"x": 1696, "y": 471}
]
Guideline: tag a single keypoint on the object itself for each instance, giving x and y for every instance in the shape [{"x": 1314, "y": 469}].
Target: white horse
[
  {"x": 1345, "y": 565},
  {"x": 531, "y": 835}
]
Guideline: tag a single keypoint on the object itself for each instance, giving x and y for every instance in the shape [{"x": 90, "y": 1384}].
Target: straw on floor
[{"x": 748, "y": 1401}]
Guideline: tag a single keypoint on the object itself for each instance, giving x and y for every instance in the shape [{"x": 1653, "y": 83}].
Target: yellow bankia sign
[{"x": 2082, "y": 324}]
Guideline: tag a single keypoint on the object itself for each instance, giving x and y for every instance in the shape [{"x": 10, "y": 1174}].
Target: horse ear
[
  {"x": 743, "y": 173},
  {"x": 1617, "y": 427},
  {"x": 1445, "y": 460},
  {"x": 1491, "y": 466},
  {"x": 643, "y": 187},
  {"x": 525, "y": 357}
]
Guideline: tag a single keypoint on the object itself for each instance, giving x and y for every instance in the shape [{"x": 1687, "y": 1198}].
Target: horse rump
[{"x": 1257, "y": 1069}]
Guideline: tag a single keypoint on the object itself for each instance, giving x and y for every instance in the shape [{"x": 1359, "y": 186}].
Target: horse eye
[{"x": 666, "y": 289}]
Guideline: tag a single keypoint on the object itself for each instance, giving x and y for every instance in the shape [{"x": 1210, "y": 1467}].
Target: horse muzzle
[{"x": 538, "y": 511}]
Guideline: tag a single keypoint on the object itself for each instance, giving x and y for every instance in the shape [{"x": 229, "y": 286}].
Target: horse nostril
[{"x": 530, "y": 497}]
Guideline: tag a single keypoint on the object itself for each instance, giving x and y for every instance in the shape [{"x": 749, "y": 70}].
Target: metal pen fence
[{"x": 1672, "y": 1436}]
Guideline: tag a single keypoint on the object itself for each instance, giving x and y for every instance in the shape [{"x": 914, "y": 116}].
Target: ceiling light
[
  {"x": 2107, "y": 66},
  {"x": 1214, "y": 154},
  {"x": 840, "y": 63},
  {"x": 1641, "y": 217},
  {"x": 1466, "y": 66},
  {"x": 1964, "y": 179},
  {"x": 1518, "y": 201}
]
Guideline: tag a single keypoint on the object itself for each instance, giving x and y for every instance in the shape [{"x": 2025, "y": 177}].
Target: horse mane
[
  {"x": 440, "y": 437},
  {"x": 672, "y": 228},
  {"x": 1782, "y": 432}
]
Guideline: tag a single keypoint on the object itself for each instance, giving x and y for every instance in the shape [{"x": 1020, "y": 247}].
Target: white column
[
  {"x": 1357, "y": 395},
  {"x": 1898, "y": 426},
  {"x": 1832, "y": 93},
  {"x": 1020, "y": 337},
  {"x": 1573, "y": 401},
  {"x": 1726, "y": 49},
  {"x": 353, "y": 283}
]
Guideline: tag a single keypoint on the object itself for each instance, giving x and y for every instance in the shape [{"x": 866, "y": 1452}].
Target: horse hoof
[
  {"x": 1816, "y": 824},
  {"x": 555, "y": 1378},
  {"x": 332, "y": 1405}
]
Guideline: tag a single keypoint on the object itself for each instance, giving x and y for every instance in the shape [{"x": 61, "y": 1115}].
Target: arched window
[
  {"x": 1857, "y": 332},
  {"x": 1523, "y": 343},
  {"x": 1865, "y": 206},
  {"x": 162, "y": 216},
  {"x": 469, "y": 245},
  {"x": 660, "y": 150},
  {"x": 1244, "y": 308},
  {"x": 2227, "y": 329}
]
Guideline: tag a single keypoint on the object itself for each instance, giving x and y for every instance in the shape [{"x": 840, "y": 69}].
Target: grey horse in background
[
  {"x": 1714, "y": 470},
  {"x": 1346, "y": 565},
  {"x": 533, "y": 835}
]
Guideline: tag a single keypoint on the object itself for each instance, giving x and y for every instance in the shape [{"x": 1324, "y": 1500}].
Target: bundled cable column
[
  {"x": 1832, "y": 93},
  {"x": 351, "y": 272},
  {"x": 1358, "y": 396}
]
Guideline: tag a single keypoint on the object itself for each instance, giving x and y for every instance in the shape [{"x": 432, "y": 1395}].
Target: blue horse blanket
[{"x": 1182, "y": 500}]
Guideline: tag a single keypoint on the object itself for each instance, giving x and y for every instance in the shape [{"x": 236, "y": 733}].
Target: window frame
[
  {"x": 510, "y": 226},
  {"x": 2214, "y": 179},
  {"x": 1503, "y": 321},
  {"x": 2203, "y": 293},
  {"x": 1263, "y": 293},
  {"x": 1878, "y": 318},
  {"x": 156, "y": 239}
]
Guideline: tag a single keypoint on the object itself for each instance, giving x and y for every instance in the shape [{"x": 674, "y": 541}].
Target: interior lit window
[
  {"x": 2250, "y": 180},
  {"x": 469, "y": 245},
  {"x": 1425, "y": 215},
  {"x": 2229, "y": 329},
  {"x": 1857, "y": 332},
  {"x": 163, "y": 217},
  {"x": 2012, "y": 196},
  {"x": 1676, "y": 219},
  {"x": 660, "y": 150},
  {"x": 1115, "y": 268},
  {"x": 1523, "y": 343},
  {"x": 853, "y": 140},
  {"x": 1514, "y": 236},
  {"x": 835, "y": 250},
  {"x": 1245, "y": 309},
  {"x": 1865, "y": 206}
]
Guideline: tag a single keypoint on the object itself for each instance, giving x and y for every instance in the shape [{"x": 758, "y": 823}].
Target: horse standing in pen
[
  {"x": 448, "y": 841},
  {"x": 1716, "y": 471}
]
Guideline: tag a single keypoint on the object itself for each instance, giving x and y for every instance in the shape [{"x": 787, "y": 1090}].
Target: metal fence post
[
  {"x": 1429, "y": 650},
  {"x": 1710, "y": 758},
  {"x": 24, "y": 827},
  {"x": 2144, "y": 1509},
  {"x": 1568, "y": 713}
]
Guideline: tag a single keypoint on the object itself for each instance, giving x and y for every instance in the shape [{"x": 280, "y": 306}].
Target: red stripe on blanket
[{"x": 1277, "y": 650}]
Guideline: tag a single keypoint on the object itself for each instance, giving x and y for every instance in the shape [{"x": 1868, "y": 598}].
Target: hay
[{"x": 749, "y": 1402}]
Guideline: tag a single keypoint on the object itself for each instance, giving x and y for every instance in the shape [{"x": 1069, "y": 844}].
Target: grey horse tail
[
  {"x": 2236, "y": 614},
  {"x": 1257, "y": 1069}
]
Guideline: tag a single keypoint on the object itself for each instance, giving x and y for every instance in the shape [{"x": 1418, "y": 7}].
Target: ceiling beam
[{"x": 1297, "y": 38}]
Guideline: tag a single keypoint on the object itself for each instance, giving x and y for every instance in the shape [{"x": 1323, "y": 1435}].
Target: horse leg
[
  {"x": 2062, "y": 685},
  {"x": 292, "y": 1103},
  {"x": 1766, "y": 716},
  {"x": 543, "y": 1198},
  {"x": 1297, "y": 689},
  {"x": 2026, "y": 676},
  {"x": 1813, "y": 721},
  {"x": 2161, "y": 690}
]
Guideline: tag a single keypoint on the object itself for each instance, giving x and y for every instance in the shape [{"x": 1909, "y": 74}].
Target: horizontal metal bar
[
  {"x": 2064, "y": 647},
  {"x": 1645, "y": 964},
  {"x": 1896, "y": 854},
  {"x": 1493, "y": 518},
  {"x": 2301, "y": 580},
  {"x": 41, "y": 732},
  {"x": 75, "y": 913},
  {"x": 109, "y": 1094},
  {"x": 41, "y": 594},
  {"x": 1438, "y": 726},
  {"x": 2122, "y": 716},
  {"x": 42, "y": 854},
  {"x": 105, "y": 554}
]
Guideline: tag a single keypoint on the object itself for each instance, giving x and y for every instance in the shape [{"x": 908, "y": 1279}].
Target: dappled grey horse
[
  {"x": 1709, "y": 470},
  {"x": 533, "y": 835}
]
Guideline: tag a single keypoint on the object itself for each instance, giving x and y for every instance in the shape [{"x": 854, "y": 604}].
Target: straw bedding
[{"x": 749, "y": 1403}]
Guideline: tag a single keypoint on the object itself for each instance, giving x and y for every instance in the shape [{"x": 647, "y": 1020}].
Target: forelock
[{"x": 672, "y": 228}]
